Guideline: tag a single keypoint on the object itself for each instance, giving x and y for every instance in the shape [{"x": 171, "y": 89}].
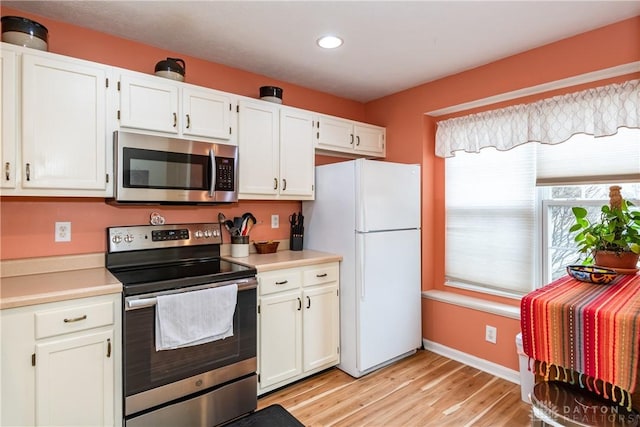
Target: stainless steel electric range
[{"x": 199, "y": 385}]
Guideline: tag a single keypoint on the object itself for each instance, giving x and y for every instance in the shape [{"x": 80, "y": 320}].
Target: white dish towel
[{"x": 197, "y": 317}]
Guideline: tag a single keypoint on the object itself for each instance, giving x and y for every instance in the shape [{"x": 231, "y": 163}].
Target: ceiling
[{"x": 388, "y": 46}]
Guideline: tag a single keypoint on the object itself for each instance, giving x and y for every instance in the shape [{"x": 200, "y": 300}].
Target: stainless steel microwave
[{"x": 157, "y": 169}]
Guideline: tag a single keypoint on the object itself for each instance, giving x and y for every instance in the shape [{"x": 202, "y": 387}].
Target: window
[
  {"x": 508, "y": 212},
  {"x": 558, "y": 245}
]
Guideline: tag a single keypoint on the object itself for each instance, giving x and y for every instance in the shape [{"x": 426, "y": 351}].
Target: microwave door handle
[{"x": 212, "y": 157}]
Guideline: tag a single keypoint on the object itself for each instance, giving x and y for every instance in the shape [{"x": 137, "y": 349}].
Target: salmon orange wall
[
  {"x": 27, "y": 224},
  {"x": 413, "y": 141}
]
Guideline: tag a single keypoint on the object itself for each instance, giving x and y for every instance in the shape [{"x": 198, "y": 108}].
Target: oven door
[
  {"x": 167, "y": 170},
  {"x": 155, "y": 378}
]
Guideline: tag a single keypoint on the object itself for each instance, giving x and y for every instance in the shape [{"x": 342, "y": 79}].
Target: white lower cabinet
[
  {"x": 61, "y": 363},
  {"x": 298, "y": 323}
]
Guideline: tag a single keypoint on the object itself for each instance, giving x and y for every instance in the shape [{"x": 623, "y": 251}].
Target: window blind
[
  {"x": 585, "y": 159},
  {"x": 490, "y": 213}
]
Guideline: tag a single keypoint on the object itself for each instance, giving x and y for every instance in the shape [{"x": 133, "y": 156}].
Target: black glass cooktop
[{"x": 165, "y": 276}]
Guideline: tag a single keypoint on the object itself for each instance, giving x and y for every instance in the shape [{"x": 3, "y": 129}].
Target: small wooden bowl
[{"x": 266, "y": 247}]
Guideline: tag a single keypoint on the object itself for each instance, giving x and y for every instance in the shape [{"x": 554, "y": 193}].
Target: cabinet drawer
[
  {"x": 281, "y": 280},
  {"x": 73, "y": 319},
  {"x": 323, "y": 274}
]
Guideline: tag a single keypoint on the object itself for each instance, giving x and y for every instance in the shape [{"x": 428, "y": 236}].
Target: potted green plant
[{"x": 614, "y": 240}]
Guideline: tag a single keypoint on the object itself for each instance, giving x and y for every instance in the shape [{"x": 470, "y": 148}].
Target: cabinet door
[
  {"x": 8, "y": 86},
  {"x": 369, "y": 139},
  {"x": 258, "y": 149},
  {"x": 149, "y": 103},
  {"x": 297, "y": 156},
  {"x": 63, "y": 124},
  {"x": 335, "y": 133},
  {"x": 321, "y": 328},
  {"x": 75, "y": 381},
  {"x": 280, "y": 337},
  {"x": 206, "y": 114}
]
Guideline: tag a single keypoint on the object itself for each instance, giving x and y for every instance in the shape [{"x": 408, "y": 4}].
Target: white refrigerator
[{"x": 369, "y": 212}]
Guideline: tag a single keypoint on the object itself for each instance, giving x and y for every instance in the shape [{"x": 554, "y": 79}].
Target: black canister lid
[
  {"x": 270, "y": 91},
  {"x": 24, "y": 25}
]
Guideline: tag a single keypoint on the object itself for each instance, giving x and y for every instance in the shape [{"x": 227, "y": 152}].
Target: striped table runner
[{"x": 586, "y": 331}]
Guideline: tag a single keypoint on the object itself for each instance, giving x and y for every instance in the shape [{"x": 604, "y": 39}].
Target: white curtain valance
[{"x": 598, "y": 111}]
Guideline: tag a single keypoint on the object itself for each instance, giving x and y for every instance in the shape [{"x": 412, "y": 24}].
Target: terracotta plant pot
[{"x": 622, "y": 262}]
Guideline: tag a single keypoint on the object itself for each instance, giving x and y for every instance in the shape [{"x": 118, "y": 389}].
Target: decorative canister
[
  {"x": 271, "y": 94},
  {"x": 171, "y": 68},
  {"x": 24, "y": 32}
]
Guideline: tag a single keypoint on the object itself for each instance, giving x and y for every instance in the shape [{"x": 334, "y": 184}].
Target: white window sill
[{"x": 479, "y": 304}]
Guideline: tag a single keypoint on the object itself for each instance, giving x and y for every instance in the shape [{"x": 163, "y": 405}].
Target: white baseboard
[{"x": 473, "y": 361}]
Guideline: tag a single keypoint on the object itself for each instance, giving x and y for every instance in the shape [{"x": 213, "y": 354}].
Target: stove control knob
[
  {"x": 207, "y": 233},
  {"x": 216, "y": 233},
  {"x": 198, "y": 234},
  {"x": 128, "y": 238},
  {"x": 116, "y": 239}
]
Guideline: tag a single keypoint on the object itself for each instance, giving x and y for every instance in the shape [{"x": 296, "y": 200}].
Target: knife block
[{"x": 295, "y": 241}]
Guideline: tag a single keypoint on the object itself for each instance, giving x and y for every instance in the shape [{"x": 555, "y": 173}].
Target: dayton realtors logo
[{"x": 585, "y": 414}]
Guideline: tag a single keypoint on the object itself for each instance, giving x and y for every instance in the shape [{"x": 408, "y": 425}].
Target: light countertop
[
  {"x": 285, "y": 259},
  {"x": 32, "y": 289},
  {"x": 51, "y": 279},
  {"x": 41, "y": 280}
]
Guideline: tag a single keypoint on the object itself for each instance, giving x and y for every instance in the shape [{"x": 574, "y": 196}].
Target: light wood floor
[{"x": 423, "y": 390}]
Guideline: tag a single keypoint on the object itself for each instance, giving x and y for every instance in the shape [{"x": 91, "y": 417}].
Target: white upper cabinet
[
  {"x": 148, "y": 103},
  {"x": 156, "y": 104},
  {"x": 297, "y": 155},
  {"x": 258, "y": 149},
  {"x": 276, "y": 152},
  {"x": 347, "y": 137},
  {"x": 206, "y": 113},
  {"x": 9, "y": 106},
  {"x": 54, "y": 133}
]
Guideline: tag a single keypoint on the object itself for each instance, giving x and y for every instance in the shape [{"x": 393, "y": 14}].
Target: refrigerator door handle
[{"x": 361, "y": 270}]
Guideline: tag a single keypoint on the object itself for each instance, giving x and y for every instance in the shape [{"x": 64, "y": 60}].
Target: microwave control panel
[{"x": 225, "y": 169}]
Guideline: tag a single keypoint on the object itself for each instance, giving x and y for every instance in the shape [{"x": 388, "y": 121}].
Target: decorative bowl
[
  {"x": 592, "y": 274},
  {"x": 266, "y": 247}
]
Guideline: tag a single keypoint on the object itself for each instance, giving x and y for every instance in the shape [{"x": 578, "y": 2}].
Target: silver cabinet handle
[
  {"x": 308, "y": 302},
  {"x": 108, "y": 347},
  {"x": 357, "y": 140},
  {"x": 275, "y": 183},
  {"x": 188, "y": 122},
  {"x": 7, "y": 171},
  {"x": 284, "y": 282},
  {"x": 175, "y": 120},
  {"x": 351, "y": 139},
  {"x": 75, "y": 319},
  {"x": 321, "y": 275},
  {"x": 284, "y": 184},
  {"x": 28, "y": 171}
]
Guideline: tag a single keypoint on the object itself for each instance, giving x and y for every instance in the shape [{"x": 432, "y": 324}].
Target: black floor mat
[{"x": 271, "y": 416}]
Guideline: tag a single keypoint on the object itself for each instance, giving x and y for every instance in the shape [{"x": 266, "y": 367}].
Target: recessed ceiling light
[{"x": 329, "y": 42}]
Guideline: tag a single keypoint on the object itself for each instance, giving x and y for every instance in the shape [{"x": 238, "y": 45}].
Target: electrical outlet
[
  {"x": 63, "y": 232},
  {"x": 275, "y": 221},
  {"x": 491, "y": 334}
]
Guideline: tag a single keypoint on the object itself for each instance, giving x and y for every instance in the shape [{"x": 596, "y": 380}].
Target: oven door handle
[
  {"x": 140, "y": 303},
  {"x": 149, "y": 300}
]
